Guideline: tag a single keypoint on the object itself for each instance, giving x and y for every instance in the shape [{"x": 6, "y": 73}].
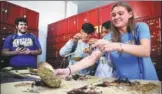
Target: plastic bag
[{"x": 104, "y": 68}]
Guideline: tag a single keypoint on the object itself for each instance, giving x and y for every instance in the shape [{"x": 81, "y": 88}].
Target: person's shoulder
[
  {"x": 11, "y": 35},
  {"x": 31, "y": 34},
  {"x": 108, "y": 36},
  {"x": 139, "y": 24}
]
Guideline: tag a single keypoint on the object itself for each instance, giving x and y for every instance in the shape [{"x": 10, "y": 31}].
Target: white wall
[
  {"x": 49, "y": 11},
  {"x": 71, "y": 9}
]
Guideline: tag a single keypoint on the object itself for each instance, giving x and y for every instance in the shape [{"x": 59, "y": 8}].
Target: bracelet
[
  {"x": 69, "y": 70},
  {"x": 121, "y": 48}
]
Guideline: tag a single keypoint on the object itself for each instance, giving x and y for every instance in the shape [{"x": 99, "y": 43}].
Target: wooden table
[{"x": 13, "y": 86}]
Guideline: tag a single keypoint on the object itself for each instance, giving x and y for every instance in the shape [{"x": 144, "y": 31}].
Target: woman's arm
[
  {"x": 142, "y": 50},
  {"x": 84, "y": 63}
]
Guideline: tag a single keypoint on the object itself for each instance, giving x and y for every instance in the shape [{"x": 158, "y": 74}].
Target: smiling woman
[{"x": 130, "y": 59}]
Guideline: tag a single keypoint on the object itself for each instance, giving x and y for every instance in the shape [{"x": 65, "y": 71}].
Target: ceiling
[{"x": 87, "y": 5}]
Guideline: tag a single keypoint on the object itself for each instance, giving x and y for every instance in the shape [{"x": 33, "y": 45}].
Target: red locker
[
  {"x": 55, "y": 29},
  {"x": 72, "y": 24},
  {"x": 81, "y": 19},
  {"x": 141, "y": 9},
  {"x": 157, "y": 8},
  {"x": 104, "y": 13},
  {"x": 3, "y": 11},
  {"x": 7, "y": 29},
  {"x": 155, "y": 31},
  {"x": 93, "y": 16},
  {"x": 63, "y": 27},
  {"x": 49, "y": 30},
  {"x": 66, "y": 38},
  {"x": 32, "y": 17},
  {"x": 57, "y": 46},
  {"x": 9, "y": 12},
  {"x": 35, "y": 32},
  {"x": 57, "y": 39}
]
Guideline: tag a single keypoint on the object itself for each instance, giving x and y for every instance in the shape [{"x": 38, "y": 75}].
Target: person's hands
[
  {"x": 77, "y": 36},
  {"x": 105, "y": 46},
  {"x": 19, "y": 50},
  {"x": 92, "y": 41},
  {"x": 87, "y": 50},
  {"x": 62, "y": 72},
  {"x": 22, "y": 51},
  {"x": 26, "y": 51}
]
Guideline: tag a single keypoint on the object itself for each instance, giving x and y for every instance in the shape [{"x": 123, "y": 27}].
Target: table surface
[{"x": 11, "y": 85}]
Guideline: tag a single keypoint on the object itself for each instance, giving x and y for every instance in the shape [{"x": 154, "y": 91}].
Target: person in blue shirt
[
  {"x": 105, "y": 29},
  {"x": 104, "y": 64},
  {"x": 22, "y": 47},
  {"x": 129, "y": 47},
  {"x": 77, "y": 45}
]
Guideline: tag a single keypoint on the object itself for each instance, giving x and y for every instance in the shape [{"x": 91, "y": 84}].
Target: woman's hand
[
  {"x": 92, "y": 41},
  {"x": 62, "y": 72},
  {"x": 106, "y": 46}
]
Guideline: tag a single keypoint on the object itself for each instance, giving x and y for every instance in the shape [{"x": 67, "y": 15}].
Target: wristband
[
  {"x": 69, "y": 70},
  {"x": 121, "y": 48}
]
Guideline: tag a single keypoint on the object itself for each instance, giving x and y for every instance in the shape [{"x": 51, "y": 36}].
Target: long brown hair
[{"x": 131, "y": 22}]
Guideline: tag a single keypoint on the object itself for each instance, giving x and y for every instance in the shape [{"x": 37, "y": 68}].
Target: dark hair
[
  {"x": 107, "y": 24},
  {"x": 88, "y": 28},
  {"x": 17, "y": 20},
  {"x": 131, "y": 22}
]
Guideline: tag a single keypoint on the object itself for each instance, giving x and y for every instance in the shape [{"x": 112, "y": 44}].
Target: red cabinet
[
  {"x": 53, "y": 29},
  {"x": 93, "y": 16},
  {"x": 13, "y": 12},
  {"x": 63, "y": 27},
  {"x": 157, "y": 8},
  {"x": 3, "y": 12},
  {"x": 146, "y": 8},
  {"x": 49, "y": 33},
  {"x": 32, "y": 18},
  {"x": 140, "y": 9},
  {"x": 155, "y": 31},
  {"x": 72, "y": 24},
  {"x": 104, "y": 13},
  {"x": 9, "y": 12},
  {"x": 7, "y": 29},
  {"x": 81, "y": 19},
  {"x": 56, "y": 29},
  {"x": 35, "y": 32}
]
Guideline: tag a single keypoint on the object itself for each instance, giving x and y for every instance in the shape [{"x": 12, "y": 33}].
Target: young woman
[{"x": 129, "y": 47}]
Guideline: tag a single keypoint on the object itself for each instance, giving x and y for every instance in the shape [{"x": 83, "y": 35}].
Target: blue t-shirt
[
  {"x": 126, "y": 65},
  {"x": 29, "y": 41}
]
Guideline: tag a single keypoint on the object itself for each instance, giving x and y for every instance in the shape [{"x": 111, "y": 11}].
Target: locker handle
[
  {"x": 4, "y": 28},
  {"x": 24, "y": 16},
  {"x": 6, "y": 11}
]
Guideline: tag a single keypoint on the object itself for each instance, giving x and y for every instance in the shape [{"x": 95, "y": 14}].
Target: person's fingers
[
  {"x": 92, "y": 41},
  {"x": 77, "y": 36}
]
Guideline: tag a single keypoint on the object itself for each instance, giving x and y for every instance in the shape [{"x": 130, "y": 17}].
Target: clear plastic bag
[{"x": 104, "y": 68}]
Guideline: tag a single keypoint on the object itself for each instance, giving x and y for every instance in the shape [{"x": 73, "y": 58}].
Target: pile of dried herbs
[{"x": 48, "y": 77}]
